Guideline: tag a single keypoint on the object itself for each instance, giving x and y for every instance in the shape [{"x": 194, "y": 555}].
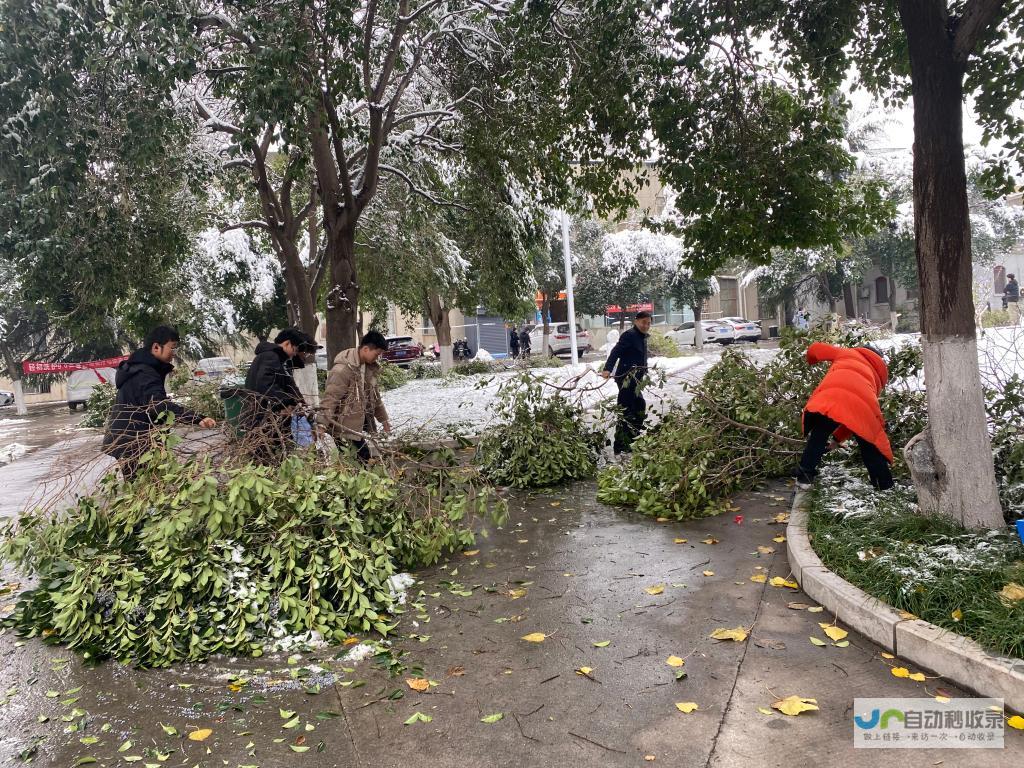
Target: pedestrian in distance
[
  {"x": 271, "y": 393},
  {"x": 142, "y": 405},
  {"x": 513, "y": 341},
  {"x": 844, "y": 405},
  {"x": 352, "y": 405},
  {"x": 627, "y": 364},
  {"x": 524, "y": 342},
  {"x": 1011, "y": 295}
]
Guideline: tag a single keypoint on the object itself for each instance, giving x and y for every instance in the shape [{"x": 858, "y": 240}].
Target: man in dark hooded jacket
[
  {"x": 273, "y": 391},
  {"x": 627, "y": 364},
  {"x": 142, "y": 401}
]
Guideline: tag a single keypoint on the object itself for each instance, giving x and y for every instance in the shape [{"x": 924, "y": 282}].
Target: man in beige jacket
[{"x": 352, "y": 405}]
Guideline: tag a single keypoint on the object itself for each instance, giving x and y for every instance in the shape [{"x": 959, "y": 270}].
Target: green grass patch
[{"x": 930, "y": 567}]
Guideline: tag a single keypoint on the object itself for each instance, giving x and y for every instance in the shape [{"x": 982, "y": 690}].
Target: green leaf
[
  {"x": 602, "y": 644},
  {"x": 492, "y": 718},
  {"x": 418, "y": 717},
  {"x": 298, "y": 749}
]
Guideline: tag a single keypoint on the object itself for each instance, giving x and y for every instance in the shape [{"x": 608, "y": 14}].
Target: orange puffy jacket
[{"x": 849, "y": 393}]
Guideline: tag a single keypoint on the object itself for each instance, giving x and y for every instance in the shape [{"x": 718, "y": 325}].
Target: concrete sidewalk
[{"x": 565, "y": 566}]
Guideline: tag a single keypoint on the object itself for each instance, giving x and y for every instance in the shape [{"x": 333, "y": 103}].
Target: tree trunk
[
  {"x": 848, "y": 303},
  {"x": 343, "y": 292},
  {"x": 698, "y": 329},
  {"x": 951, "y": 461},
  {"x": 893, "y": 314},
  {"x": 440, "y": 318},
  {"x": 301, "y": 301},
  {"x": 545, "y": 316},
  {"x": 14, "y": 370}
]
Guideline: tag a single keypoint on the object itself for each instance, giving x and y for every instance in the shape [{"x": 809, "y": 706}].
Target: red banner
[
  {"x": 614, "y": 309},
  {"x": 34, "y": 366}
]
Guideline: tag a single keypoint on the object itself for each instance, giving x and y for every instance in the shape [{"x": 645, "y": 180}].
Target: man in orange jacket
[{"x": 845, "y": 404}]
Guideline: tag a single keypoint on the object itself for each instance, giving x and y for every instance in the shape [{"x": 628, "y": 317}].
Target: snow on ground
[
  {"x": 12, "y": 451},
  {"x": 463, "y": 405}
]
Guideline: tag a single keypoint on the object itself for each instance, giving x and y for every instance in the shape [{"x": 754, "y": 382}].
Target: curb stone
[{"x": 925, "y": 645}]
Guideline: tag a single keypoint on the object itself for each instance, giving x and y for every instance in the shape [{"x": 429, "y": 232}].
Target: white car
[
  {"x": 559, "y": 340},
  {"x": 6, "y": 398},
  {"x": 714, "y": 332},
  {"x": 745, "y": 330},
  {"x": 214, "y": 369},
  {"x": 81, "y": 384}
]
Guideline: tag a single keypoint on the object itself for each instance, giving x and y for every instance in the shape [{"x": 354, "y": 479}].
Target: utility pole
[{"x": 570, "y": 301}]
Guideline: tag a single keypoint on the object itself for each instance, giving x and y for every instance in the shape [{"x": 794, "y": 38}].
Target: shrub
[
  {"x": 392, "y": 376},
  {"x": 660, "y": 345},
  {"x": 193, "y": 559},
  {"x": 425, "y": 370},
  {"x": 98, "y": 406},
  {"x": 203, "y": 397},
  {"x": 541, "y": 438},
  {"x": 474, "y": 368},
  {"x": 995, "y": 318},
  {"x": 742, "y": 425}
]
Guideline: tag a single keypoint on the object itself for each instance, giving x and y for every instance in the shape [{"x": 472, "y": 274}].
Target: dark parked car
[{"x": 402, "y": 350}]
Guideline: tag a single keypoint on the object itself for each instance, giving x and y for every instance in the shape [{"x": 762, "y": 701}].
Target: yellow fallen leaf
[
  {"x": 739, "y": 634},
  {"x": 680, "y": 541},
  {"x": 833, "y": 631},
  {"x": 418, "y": 684},
  {"x": 535, "y": 637},
  {"x": 471, "y": 552},
  {"x": 674, "y": 661},
  {"x": 760, "y": 578},
  {"x": 765, "y": 550},
  {"x": 907, "y": 615},
  {"x": 957, "y": 615},
  {"x": 515, "y": 594},
  {"x": 657, "y": 589},
  {"x": 779, "y": 539},
  {"x": 585, "y": 671},
  {"x": 686, "y": 707},
  {"x": 650, "y": 758},
  {"x": 350, "y": 641},
  {"x": 1016, "y": 722},
  {"x": 778, "y": 581},
  {"x": 661, "y": 519},
  {"x": 709, "y": 540},
  {"x": 815, "y": 609},
  {"x": 943, "y": 699},
  {"x": 794, "y": 705},
  {"x": 201, "y": 735},
  {"x": 602, "y": 643},
  {"x": 556, "y": 503},
  {"x": 782, "y": 517},
  {"x": 764, "y": 710},
  {"x": 917, "y": 677},
  {"x": 900, "y": 672},
  {"x": 709, "y": 573},
  {"x": 887, "y": 655},
  {"x": 1011, "y": 593}
]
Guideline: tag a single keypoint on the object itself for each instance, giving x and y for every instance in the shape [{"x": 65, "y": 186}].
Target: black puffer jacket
[
  {"x": 628, "y": 360},
  {"x": 141, "y": 399},
  {"x": 270, "y": 376}
]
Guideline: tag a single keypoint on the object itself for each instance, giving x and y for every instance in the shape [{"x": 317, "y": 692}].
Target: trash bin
[
  {"x": 773, "y": 331},
  {"x": 233, "y": 398}
]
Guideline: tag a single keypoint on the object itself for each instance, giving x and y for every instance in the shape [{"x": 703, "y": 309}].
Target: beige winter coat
[{"x": 351, "y": 399}]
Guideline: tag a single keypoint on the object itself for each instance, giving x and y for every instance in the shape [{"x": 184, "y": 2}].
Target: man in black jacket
[
  {"x": 274, "y": 393},
  {"x": 628, "y": 364},
  {"x": 1011, "y": 298},
  {"x": 142, "y": 402}
]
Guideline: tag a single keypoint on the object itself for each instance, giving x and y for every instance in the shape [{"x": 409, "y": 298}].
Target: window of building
[{"x": 882, "y": 290}]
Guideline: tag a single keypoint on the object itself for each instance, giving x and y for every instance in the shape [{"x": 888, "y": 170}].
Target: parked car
[
  {"x": 559, "y": 340},
  {"x": 746, "y": 330},
  {"x": 402, "y": 350},
  {"x": 6, "y": 398},
  {"x": 214, "y": 369},
  {"x": 82, "y": 383},
  {"x": 713, "y": 332}
]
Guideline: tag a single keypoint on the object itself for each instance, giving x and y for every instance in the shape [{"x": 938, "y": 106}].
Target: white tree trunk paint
[{"x": 19, "y": 398}]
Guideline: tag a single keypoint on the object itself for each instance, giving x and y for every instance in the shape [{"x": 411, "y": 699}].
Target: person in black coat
[
  {"x": 271, "y": 391},
  {"x": 513, "y": 342},
  {"x": 627, "y": 363},
  {"x": 142, "y": 401},
  {"x": 524, "y": 342}
]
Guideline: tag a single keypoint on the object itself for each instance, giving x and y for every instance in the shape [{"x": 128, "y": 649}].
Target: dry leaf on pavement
[
  {"x": 794, "y": 705},
  {"x": 739, "y": 634},
  {"x": 686, "y": 707}
]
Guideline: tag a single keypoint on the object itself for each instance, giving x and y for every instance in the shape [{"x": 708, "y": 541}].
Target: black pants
[
  {"x": 362, "y": 449},
  {"x": 819, "y": 428},
  {"x": 633, "y": 411}
]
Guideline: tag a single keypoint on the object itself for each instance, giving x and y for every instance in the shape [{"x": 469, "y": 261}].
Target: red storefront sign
[
  {"x": 632, "y": 308},
  {"x": 35, "y": 366}
]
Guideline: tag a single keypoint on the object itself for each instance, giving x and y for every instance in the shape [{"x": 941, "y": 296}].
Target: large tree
[{"x": 936, "y": 53}]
